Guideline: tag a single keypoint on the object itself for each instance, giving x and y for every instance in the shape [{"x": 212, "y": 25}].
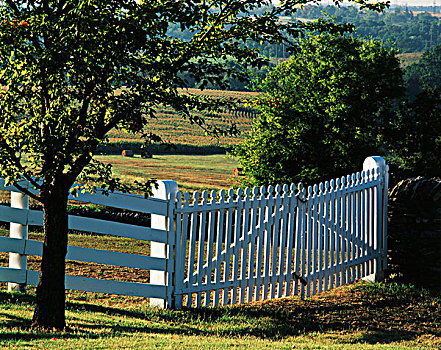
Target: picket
[
  {"x": 245, "y": 249},
  {"x": 253, "y": 237},
  {"x": 237, "y": 244},
  {"x": 260, "y": 243}
]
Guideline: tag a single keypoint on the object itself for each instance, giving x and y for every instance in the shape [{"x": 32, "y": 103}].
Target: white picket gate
[
  {"x": 274, "y": 242},
  {"x": 216, "y": 249}
]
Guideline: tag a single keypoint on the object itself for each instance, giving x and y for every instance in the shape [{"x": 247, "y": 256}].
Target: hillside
[{"x": 171, "y": 127}]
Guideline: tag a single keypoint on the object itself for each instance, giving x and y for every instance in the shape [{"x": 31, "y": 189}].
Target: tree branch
[
  {"x": 27, "y": 192},
  {"x": 13, "y": 7},
  {"x": 188, "y": 53}
]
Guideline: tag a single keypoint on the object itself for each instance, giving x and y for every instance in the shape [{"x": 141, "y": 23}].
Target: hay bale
[
  {"x": 146, "y": 154},
  {"x": 127, "y": 153},
  {"x": 238, "y": 171}
]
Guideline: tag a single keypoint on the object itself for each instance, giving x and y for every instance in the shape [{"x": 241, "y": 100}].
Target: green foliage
[
  {"x": 415, "y": 137},
  {"x": 414, "y": 140},
  {"x": 74, "y": 70},
  {"x": 323, "y": 111},
  {"x": 401, "y": 28},
  {"x": 426, "y": 74}
]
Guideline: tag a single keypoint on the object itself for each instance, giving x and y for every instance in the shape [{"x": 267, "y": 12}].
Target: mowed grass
[
  {"x": 358, "y": 316},
  {"x": 385, "y": 315},
  {"x": 191, "y": 172}
]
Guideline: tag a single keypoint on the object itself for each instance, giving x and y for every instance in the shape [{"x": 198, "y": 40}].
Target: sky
[
  {"x": 415, "y": 2},
  {"x": 404, "y": 2}
]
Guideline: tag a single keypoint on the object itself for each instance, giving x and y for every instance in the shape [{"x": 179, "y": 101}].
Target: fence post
[
  {"x": 380, "y": 244},
  {"x": 165, "y": 190},
  {"x": 18, "y": 261}
]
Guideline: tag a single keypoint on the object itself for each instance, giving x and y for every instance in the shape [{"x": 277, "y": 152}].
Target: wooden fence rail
[
  {"x": 19, "y": 246},
  {"x": 222, "y": 248}
]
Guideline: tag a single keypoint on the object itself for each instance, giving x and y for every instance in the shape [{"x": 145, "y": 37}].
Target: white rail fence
[
  {"x": 19, "y": 246},
  {"x": 215, "y": 249}
]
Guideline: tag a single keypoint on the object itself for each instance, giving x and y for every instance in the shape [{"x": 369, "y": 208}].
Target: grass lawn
[
  {"x": 358, "y": 316},
  {"x": 191, "y": 172}
]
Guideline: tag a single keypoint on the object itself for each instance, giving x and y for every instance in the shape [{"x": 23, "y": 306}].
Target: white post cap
[{"x": 373, "y": 163}]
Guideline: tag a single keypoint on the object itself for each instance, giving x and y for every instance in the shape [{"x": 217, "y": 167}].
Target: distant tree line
[{"x": 399, "y": 28}]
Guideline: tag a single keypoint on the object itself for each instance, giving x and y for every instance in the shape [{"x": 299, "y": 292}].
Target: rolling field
[
  {"x": 173, "y": 128},
  {"x": 191, "y": 172}
]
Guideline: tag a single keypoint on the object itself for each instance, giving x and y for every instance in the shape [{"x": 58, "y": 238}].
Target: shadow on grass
[
  {"x": 8, "y": 297},
  {"x": 23, "y": 336},
  {"x": 384, "y": 337},
  {"x": 274, "y": 319},
  {"x": 14, "y": 321}
]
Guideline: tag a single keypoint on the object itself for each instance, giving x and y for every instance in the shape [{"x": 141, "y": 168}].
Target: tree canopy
[
  {"x": 411, "y": 29},
  {"x": 71, "y": 70},
  {"x": 322, "y": 112},
  {"x": 414, "y": 137},
  {"x": 425, "y": 74}
]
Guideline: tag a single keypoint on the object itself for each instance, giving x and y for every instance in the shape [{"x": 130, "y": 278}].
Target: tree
[
  {"x": 323, "y": 111},
  {"x": 71, "y": 70},
  {"x": 426, "y": 74},
  {"x": 414, "y": 138},
  {"x": 415, "y": 134}
]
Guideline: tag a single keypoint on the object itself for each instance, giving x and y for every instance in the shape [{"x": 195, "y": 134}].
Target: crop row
[{"x": 173, "y": 128}]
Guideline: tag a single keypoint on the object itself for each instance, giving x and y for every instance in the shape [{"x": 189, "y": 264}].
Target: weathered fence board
[
  {"x": 13, "y": 275},
  {"x": 78, "y": 223}
]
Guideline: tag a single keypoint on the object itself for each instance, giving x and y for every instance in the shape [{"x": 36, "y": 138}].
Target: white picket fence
[{"x": 213, "y": 249}]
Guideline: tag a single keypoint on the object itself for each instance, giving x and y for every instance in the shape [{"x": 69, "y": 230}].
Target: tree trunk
[{"x": 50, "y": 298}]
